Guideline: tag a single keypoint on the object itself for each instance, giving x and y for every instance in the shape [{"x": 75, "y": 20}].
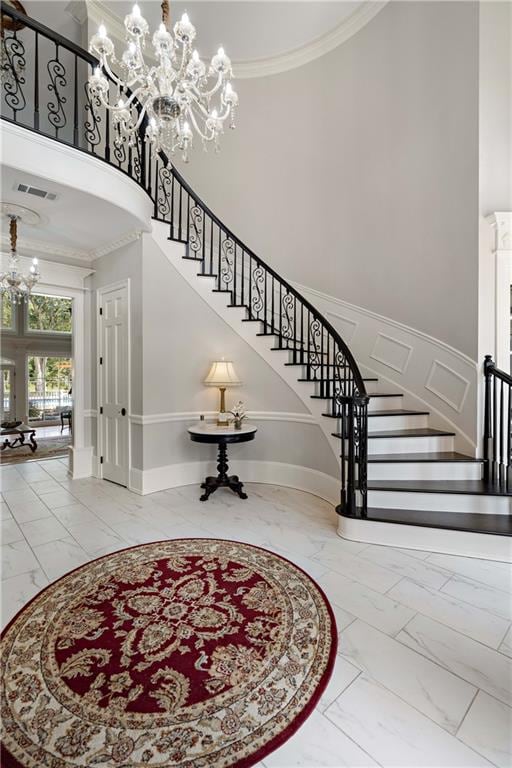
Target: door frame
[{"x": 99, "y": 353}]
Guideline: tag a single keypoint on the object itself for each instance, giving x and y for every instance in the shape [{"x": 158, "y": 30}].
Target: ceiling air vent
[{"x": 36, "y": 192}]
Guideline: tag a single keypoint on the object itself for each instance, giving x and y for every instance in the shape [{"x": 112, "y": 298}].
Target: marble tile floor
[{"x": 423, "y": 675}]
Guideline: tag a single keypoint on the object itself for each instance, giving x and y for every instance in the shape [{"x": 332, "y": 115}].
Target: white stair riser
[
  {"x": 441, "y": 502},
  {"x": 424, "y": 470},
  {"x": 386, "y": 423},
  {"x": 431, "y": 444},
  {"x": 385, "y": 404}
]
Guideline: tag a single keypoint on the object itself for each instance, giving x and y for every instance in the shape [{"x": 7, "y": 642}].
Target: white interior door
[{"x": 114, "y": 390}]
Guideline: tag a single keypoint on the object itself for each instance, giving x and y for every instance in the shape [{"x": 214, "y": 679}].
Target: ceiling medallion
[{"x": 181, "y": 95}]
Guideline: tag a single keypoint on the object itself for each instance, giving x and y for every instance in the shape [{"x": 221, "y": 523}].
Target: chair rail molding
[
  {"x": 427, "y": 370},
  {"x": 161, "y": 418},
  {"x": 501, "y": 249}
]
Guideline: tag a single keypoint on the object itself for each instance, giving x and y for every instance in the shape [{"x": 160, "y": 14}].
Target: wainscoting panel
[
  {"x": 391, "y": 352},
  {"x": 448, "y": 385}
]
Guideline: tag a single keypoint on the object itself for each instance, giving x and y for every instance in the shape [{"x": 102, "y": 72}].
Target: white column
[{"x": 501, "y": 254}]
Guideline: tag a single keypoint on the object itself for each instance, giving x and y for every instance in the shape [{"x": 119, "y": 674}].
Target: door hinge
[
  {"x": 101, "y": 409},
  {"x": 101, "y": 310},
  {"x": 101, "y": 361},
  {"x": 101, "y": 459}
]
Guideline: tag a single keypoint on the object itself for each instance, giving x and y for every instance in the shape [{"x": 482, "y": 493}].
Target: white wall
[{"x": 357, "y": 174}]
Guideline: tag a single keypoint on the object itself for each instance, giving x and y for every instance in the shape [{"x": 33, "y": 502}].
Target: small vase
[{"x": 238, "y": 423}]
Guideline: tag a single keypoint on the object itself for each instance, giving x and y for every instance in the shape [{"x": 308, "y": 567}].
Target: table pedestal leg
[{"x": 223, "y": 480}]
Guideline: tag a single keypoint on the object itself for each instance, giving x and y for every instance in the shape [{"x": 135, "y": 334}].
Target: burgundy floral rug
[{"x": 197, "y": 653}]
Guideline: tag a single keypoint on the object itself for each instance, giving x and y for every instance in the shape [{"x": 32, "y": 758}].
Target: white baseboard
[
  {"x": 464, "y": 543},
  {"x": 80, "y": 462},
  {"x": 271, "y": 472}
]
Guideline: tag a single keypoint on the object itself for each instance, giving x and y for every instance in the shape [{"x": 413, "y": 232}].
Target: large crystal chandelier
[
  {"x": 177, "y": 94},
  {"x": 14, "y": 283}
]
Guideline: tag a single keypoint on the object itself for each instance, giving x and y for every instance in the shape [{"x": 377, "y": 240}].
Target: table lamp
[{"x": 222, "y": 374}]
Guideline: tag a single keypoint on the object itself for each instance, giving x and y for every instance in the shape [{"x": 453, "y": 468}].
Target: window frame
[{"x": 27, "y": 331}]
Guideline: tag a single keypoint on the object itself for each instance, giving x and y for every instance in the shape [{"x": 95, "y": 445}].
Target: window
[
  {"x": 7, "y": 312},
  {"x": 50, "y": 314},
  {"x": 49, "y": 387}
]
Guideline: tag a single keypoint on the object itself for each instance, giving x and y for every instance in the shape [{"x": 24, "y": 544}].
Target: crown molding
[
  {"x": 98, "y": 13},
  {"x": 44, "y": 249}
]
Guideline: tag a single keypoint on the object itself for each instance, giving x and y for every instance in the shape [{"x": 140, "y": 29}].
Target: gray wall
[
  {"x": 357, "y": 174},
  {"x": 182, "y": 335},
  {"x": 175, "y": 336}
]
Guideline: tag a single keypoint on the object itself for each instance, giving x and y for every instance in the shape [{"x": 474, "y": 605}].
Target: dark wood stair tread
[
  {"x": 393, "y": 412},
  {"x": 468, "y": 487},
  {"x": 398, "y": 458},
  {"x": 420, "y": 432},
  {"x": 471, "y": 522}
]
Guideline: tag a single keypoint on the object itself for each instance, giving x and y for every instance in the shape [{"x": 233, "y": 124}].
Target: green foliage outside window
[
  {"x": 7, "y": 314},
  {"x": 49, "y": 313}
]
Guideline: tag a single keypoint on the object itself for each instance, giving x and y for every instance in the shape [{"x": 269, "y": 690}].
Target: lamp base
[{"x": 222, "y": 420}]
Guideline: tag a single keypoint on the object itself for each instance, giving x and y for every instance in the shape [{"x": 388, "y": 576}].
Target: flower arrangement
[{"x": 238, "y": 413}]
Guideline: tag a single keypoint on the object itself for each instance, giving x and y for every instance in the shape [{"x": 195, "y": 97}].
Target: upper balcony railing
[{"x": 45, "y": 89}]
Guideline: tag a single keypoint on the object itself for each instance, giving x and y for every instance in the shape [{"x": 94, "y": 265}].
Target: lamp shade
[{"x": 222, "y": 374}]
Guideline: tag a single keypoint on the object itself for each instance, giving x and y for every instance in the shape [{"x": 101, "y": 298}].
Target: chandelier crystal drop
[
  {"x": 181, "y": 95},
  {"x": 14, "y": 283}
]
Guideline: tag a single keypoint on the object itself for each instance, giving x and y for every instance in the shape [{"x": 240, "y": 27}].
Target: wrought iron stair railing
[
  {"x": 497, "y": 425},
  {"x": 45, "y": 89}
]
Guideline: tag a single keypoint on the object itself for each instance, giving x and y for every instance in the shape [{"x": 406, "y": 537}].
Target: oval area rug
[{"x": 189, "y": 653}]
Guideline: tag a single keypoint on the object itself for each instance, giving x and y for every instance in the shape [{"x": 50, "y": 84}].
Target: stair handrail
[
  {"x": 346, "y": 351},
  {"x": 497, "y": 425},
  {"x": 350, "y": 401}
]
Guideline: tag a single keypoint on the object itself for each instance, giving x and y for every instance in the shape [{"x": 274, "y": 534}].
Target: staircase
[{"x": 396, "y": 472}]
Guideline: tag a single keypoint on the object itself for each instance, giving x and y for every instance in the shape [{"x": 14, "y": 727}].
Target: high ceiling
[{"x": 249, "y": 30}]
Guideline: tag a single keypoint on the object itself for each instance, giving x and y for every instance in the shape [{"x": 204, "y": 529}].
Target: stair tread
[
  {"x": 420, "y": 432},
  {"x": 391, "y": 412},
  {"x": 424, "y": 457},
  {"x": 471, "y": 487},
  {"x": 472, "y": 522}
]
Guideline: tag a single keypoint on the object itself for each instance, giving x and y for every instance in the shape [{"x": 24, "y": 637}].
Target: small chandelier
[
  {"x": 177, "y": 94},
  {"x": 14, "y": 283}
]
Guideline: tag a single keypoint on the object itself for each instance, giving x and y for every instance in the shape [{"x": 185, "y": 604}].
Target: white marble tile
[
  {"x": 479, "y": 594},
  {"x": 479, "y": 665},
  {"x": 356, "y": 568},
  {"x": 47, "y": 485},
  {"x": 137, "y": 532},
  {"x": 497, "y": 575},
  {"x": 59, "y": 557},
  {"x": 44, "y": 530},
  {"x": 407, "y": 566},
  {"x": 433, "y": 690},
  {"x": 506, "y": 645},
  {"x": 10, "y": 531},
  {"x": 60, "y": 498},
  {"x": 94, "y": 538},
  {"x": 468, "y": 619},
  {"x": 378, "y": 610},
  {"x": 343, "y": 617},
  {"x": 25, "y": 505},
  {"x": 395, "y": 734},
  {"x": 419, "y": 554},
  {"x": 11, "y": 480},
  {"x": 343, "y": 674},
  {"x": 18, "y": 590},
  {"x": 320, "y": 744},
  {"x": 5, "y": 512},
  {"x": 75, "y": 513},
  {"x": 32, "y": 472},
  {"x": 487, "y": 728},
  {"x": 17, "y": 558}
]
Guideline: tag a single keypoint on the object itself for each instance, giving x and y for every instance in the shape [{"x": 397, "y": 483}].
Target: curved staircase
[{"x": 396, "y": 473}]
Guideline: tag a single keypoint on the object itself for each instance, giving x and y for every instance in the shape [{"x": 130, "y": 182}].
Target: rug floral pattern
[{"x": 194, "y": 652}]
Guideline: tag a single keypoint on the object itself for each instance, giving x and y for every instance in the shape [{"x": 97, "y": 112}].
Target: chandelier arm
[
  {"x": 193, "y": 120},
  {"x": 215, "y": 88}
]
